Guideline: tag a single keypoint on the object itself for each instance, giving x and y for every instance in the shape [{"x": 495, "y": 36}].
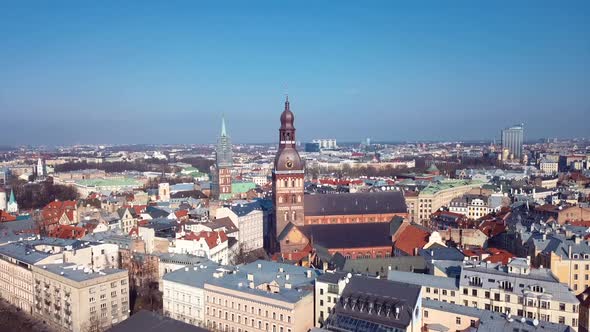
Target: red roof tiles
[
  {"x": 211, "y": 238},
  {"x": 6, "y": 217},
  {"x": 68, "y": 232},
  {"x": 410, "y": 238}
]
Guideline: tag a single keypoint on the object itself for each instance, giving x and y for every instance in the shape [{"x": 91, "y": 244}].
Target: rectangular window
[{"x": 458, "y": 320}]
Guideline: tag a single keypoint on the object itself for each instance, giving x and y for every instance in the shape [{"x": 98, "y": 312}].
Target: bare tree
[{"x": 95, "y": 324}]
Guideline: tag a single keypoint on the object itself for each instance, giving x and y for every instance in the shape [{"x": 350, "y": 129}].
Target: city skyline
[{"x": 153, "y": 74}]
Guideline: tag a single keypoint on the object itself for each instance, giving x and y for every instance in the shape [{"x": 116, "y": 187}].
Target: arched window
[
  {"x": 286, "y": 215},
  {"x": 294, "y": 215},
  {"x": 293, "y": 198}
]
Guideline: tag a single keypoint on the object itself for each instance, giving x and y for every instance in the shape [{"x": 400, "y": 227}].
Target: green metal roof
[
  {"x": 109, "y": 182},
  {"x": 242, "y": 187},
  {"x": 448, "y": 184}
]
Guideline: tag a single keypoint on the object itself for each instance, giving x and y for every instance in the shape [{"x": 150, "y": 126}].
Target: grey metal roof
[
  {"x": 357, "y": 235},
  {"x": 367, "y": 301},
  {"x": 243, "y": 209},
  {"x": 425, "y": 280},
  {"x": 356, "y": 203},
  {"x": 490, "y": 321},
  {"x": 79, "y": 273},
  {"x": 148, "y": 321},
  {"x": 442, "y": 253},
  {"x": 492, "y": 274},
  {"x": 197, "y": 273},
  {"x": 331, "y": 277},
  {"x": 374, "y": 266},
  {"x": 266, "y": 272},
  {"x": 23, "y": 252}
]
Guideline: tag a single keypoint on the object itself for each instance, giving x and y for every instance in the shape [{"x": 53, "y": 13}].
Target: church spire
[
  {"x": 12, "y": 199},
  {"x": 223, "y": 131},
  {"x": 287, "y": 107}
]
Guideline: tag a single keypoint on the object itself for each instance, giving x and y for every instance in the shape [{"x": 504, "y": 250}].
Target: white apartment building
[
  {"x": 514, "y": 289},
  {"x": 548, "y": 166},
  {"x": 76, "y": 298},
  {"x": 473, "y": 207},
  {"x": 519, "y": 290},
  {"x": 328, "y": 288},
  {"x": 183, "y": 291},
  {"x": 212, "y": 245},
  {"x": 326, "y": 143},
  {"x": 249, "y": 220},
  {"x": 16, "y": 276},
  {"x": 17, "y": 259}
]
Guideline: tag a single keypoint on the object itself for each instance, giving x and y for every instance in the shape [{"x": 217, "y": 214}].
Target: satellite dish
[
  {"x": 523, "y": 320},
  {"x": 349, "y": 275},
  {"x": 535, "y": 322}
]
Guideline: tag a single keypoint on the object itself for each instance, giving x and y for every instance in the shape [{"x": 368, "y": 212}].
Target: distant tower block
[
  {"x": 40, "y": 169},
  {"x": 164, "y": 192}
]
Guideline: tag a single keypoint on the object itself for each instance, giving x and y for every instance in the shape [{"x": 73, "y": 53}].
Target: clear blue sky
[{"x": 141, "y": 72}]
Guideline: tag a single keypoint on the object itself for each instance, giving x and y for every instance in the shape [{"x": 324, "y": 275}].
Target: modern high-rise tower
[
  {"x": 288, "y": 177},
  {"x": 512, "y": 139},
  {"x": 223, "y": 165}
]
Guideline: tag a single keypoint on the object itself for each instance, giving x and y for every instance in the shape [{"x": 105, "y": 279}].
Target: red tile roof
[
  {"x": 293, "y": 256},
  {"x": 139, "y": 209},
  {"x": 498, "y": 256},
  {"x": 492, "y": 228},
  {"x": 582, "y": 223},
  {"x": 53, "y": 211},
  {"x": 181, "y": 213},
  {"x": 68, "y": 232},
  {"x": 6, "y": 217},
  {"x": 410, "y": 238},
  {"x": 210, "y": 237}
]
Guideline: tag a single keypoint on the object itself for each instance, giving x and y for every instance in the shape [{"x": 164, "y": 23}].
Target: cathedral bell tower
[
  {"x": 221, "y": 171},
  {"x": 288, "y": 177}
]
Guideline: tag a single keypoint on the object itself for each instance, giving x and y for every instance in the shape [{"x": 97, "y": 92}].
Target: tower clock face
[{"x": 289, "y": 164}]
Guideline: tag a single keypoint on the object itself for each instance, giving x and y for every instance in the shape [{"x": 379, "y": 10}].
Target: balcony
[{"x": 475, "y": 283}]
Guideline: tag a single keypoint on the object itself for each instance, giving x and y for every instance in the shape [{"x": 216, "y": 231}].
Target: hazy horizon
[{"x": 137, "y": 73}]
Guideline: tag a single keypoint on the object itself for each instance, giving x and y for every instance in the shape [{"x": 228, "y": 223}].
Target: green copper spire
[
  {"x": 12, "y": 199},
  {"x": 223, "y": 132},
  {"x": 223, "y": 150}
]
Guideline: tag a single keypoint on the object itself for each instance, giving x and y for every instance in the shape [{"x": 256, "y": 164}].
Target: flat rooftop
[{"x": 78, "y": 273}]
